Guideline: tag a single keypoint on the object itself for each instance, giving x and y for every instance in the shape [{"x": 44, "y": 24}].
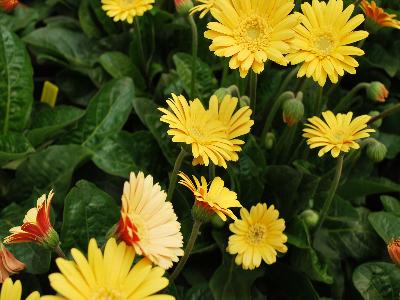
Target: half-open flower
[
  {"x": 377, "y": 17},
  {"x": 36, "y": 226},
  {"x": 9, "y": 265}
]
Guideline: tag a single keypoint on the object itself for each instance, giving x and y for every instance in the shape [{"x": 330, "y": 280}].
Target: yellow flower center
[
  {"x": 339, "y": 136},
  {"x": 253, "y": 33},
  {"x": 256, "y": 234},
  {"x": 324, "y": 44},
  {"x": 108, "y": 294},
  {"x": 197, "y": 133}
]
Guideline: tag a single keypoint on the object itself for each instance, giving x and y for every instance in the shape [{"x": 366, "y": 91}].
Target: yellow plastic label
[{"x": 49, "y": 93}]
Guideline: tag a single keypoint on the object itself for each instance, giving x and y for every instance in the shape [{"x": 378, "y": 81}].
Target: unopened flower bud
[
  {"x": 310, "y": 218},
  {"x": 269, "y": 140},
  {"x": 221, "y": 93},
  {"x": 394, "y": 251},
  {"x": 183, "y": 6},
  {"x": 293, "y": 111},
  {"x": 377, "y": 92},
  {"x": 244, "y": 101},
  {"x": 378, "y": 122},
  {"x": 201, "y": 212},
  {"x": 376, "y": 151}
]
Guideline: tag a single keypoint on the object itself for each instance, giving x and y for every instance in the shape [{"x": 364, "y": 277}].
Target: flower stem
[
  {"x": 59, "y": 252},
  {"x": 318, "y": 105},
  {"x": 253, "y": 92},
  {"x": 331, "y": 192},
  {"x": 211, "y": 171},
  {"x": 385, "y": 113},
  {"x": 195, "y": 46},
  {"x": 174, "y": 175},
  {"x": 189, "y": 247},
  {"x": 141, "y": 49},
  {"x": 345, "y": 102}
]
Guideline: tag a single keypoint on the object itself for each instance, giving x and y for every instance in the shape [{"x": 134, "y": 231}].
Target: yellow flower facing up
[
  {"x": 215, "y": 199},
  {"x": 336, "y": 133},
  {"x": 126, "y": 10},
  {"x": 322, "y": 42},
  {"x": 251, "y": 32},
  {"x": 203, "y": 8},
  {"x": 378, "y": 16},
  {"x": 109, "y": 276},
  {"x": 13, "y": 291},
  {"x": 192, "y": 124},
  {"x": 257, "y": 236}
]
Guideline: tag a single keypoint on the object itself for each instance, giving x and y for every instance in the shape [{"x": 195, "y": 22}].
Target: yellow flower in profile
[
  {"x": 203, "y": 8},
  {"x": 126, "y": 10},
  {"x": 148, "y": 222},
  {"x": 108, "y": 276},
  {"x": 336, "y": 133},
  {"x": 192, "y": 124},
  {"x": 251, "y": 32},
  {"x": 216, "y": 199},
  {"x": 13, "y": 291},
  {"x": 323, "y": 38},
  {"x": 257, "y": 236},
  {"x": 378, "y": 16}
]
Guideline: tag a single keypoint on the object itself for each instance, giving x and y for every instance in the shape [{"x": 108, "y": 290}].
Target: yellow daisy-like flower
[
  {"x": 126, "y": 10},
  {"x": 148, "y": 222},
  {"x": 192, "y": 124},
  {"x": 13, "y": 291},
  {"x": 215, "y": 199},
  {"x": 323, "y": 38},
  {"x": 336, "y": 133},
  {"x": 252, "y": 32},
  {"x": 378, "y": 16},
  {"x": 203, "y": 8},
  {"x": 109, "y": 276},
  {"x": 257, "y": 236}
]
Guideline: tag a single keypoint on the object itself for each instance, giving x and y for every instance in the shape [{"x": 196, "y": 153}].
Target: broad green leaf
[
  {"x": 88, "y": 213},
  {"x": 359, "y": 187},
  {"x": 37, "y": 259},
  {"x": 387, "y": 225},
  {"x": 87, "y": 20},
  {"x": 48, "y": 122},
  {"x": 16, "y": 83},
  {"x": 13, "y": 146},
  {"x": 199, "y": 292},
  {"x": 107, "y": 23},
  {"x": 391, "y": 204},
  {"x": 22, "y": 17},
  {"x": 124, "y": 152},
  {"x": 392, "y": 142},
  {"x": 380, "y": 57},
  {"x": 106, "y": 114},
  {"x": 377, "y": 281}
]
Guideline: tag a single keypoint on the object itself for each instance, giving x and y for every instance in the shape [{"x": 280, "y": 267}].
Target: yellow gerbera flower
[
  {"x": 322, "y": 41},
  {"x": 337, "y": 133},
  {"x": 108, "y": 276},
  {"x": 215, "y": 199},
  {"x": 251, "y": 32},
  {"x": 148, "y": 222},
  {"x": 378, "y": 16},
  {"x": 203, "y": 8},
  {"x": 13, "y": 291},
  {"x": 192, "y": 124},
  {"x": 257, "y": 236},
  {"x": 126, "y": 10}
]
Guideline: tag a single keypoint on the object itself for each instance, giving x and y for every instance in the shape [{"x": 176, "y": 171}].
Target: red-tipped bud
[
  {"x": 8, "y": 5},
  {"x": 293, "y": 110},
  {"x": 377, "y": 92},
  {"x": 394, "y": 251},
  {"x": 183, "y": 6}
]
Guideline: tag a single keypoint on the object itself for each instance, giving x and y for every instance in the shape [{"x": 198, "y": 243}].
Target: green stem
[
  {"x": 331, "y": 192},
  {"x": 174, "y": 175},
  {"x": 195, "y": 46},
  {"x": 319, "y": 105},
  {"x": 253, "y": 92},
  {"x": 141, "y": 49},
  {"x": 304, "y": 84},
  {"x": 385, "y": 113},
  {"x": 211, "y": 171},
  {"x": 59, "y": 252},
  {"x": 346, "y": 100},
  {"x": 189, "y": 247}
]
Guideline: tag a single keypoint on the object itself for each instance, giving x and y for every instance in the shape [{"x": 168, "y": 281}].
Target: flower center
[
  {"x": 324, "y": 44},
  {"x": 106, "y": 294},
  {"x": 256, "y": 234},
  {"x": 339, "y": 136},
  {"x": 253, "y": 33},
  {"x": 197, "y": 133}
]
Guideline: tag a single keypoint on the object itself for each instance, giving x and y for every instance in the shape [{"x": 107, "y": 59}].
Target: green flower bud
[
  {"x": 201, "y": 213},
  {"x": 310, "y": 218},
  {"x": 221, "y": 93},
  {"x": 183, "y": 6},
  {"x": 269, "y": 140},
  {"x": 378, "y": 122},
  {"x": 244, "y": 101},
  {"x": 377, "y": 92},
  {"x": 376, "y": 151},
  {"x": 293, "y": 111}
]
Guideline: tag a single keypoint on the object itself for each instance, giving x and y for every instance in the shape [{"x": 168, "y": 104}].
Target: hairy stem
[
  {"x": 195, "y": 46},
  {"x": 174, "y": 175}
]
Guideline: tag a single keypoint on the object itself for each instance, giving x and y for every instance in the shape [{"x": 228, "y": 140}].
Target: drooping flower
[
  {"x": 9, "y": 265},
  {"x": 36, "y": 227},
  {"x": 251, "y": 32},
  {"x": 108, "y": 276},
  {"x": 336, "y": 133},
  {"x": 203, "y": 8},
  {"x": 126, "y": 10},
  {"x": 148, "y": 222},
  {"x": 183, "y": 7},
  {"x": 13, "y": 291},
  {"x": 377, "y": 17},
  {"x": 322, "y": 42},
  {"x": 257, "y": 236},
  {"x": 216, "y": 199},
  {"x": 394, "y": 251},
  {"x": 377, "y": 91},
  {"x": 192, "y": 124},
  {"x": 8, "y": 5}
]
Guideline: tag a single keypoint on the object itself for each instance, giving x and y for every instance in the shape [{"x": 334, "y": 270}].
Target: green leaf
[
  {"x": 392, "y": 143},
  {"x": 13, "y": 146},
  {"x": 391, "y": 204},
  {"x": 384, "y": 58},
  {"x": 87, "y": 20},
  {"x": 16, "y": 83},
  {"x": 48, "y": 122},
  {"x": 37, "y": 259},
  {"x": 88, "y": 213},
  {"x": 387, "y": 225},
  {"x": 206, "y": 82},
  {"x": 359, "y": 187},
  {"x": 377, "y": 281},
  {"x": 199, "y": 292},
  {"x": 106, "y": 114},
  {"x": 124, "y": 152}
]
